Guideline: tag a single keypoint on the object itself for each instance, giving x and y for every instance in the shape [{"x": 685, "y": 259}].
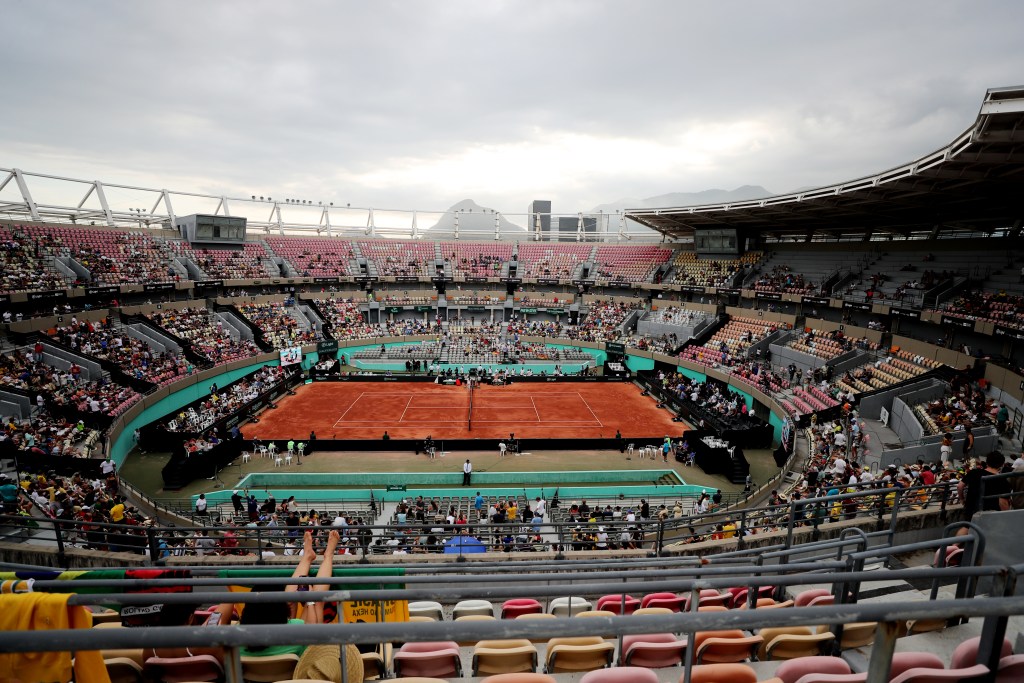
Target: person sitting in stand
[{"x": 286, "y": 612}]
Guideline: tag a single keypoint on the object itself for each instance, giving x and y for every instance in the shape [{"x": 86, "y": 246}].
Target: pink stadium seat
[
  {"x": 614, "y": 603},
  {"x": 511, "y": 609}
]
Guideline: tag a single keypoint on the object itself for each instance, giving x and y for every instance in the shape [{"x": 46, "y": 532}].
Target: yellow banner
[{"x": 370, "y": 611}]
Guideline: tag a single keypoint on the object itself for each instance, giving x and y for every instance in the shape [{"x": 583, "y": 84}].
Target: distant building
[{"x": 543, "y": 208}]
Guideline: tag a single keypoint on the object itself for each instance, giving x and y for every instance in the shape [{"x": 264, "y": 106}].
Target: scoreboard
[
  {"x": 206, "y": 229},
  {"x": 718, "y": 242}
]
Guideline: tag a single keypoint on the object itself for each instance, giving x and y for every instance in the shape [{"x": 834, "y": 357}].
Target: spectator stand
[
  {"x": 273, "y": 324},
  {"x": 314, "y": 256},
  {"x": 107, "y": 255},
  {"x": 688, "y": 269},
  {"x": 96, "y": 378},
  {"x": 627, "y": 264},
  {"x": 553, "y": 260},
  {"x": 203, "y": 342},
  {"x": 25, "y": 266},
  {"x": 684, "y": 323},
  {"x": 216, "y": 446},
  {"x": 344, "y": 318},
  {"x": 475, "y": 259},
  {"x": 732, "y": 342}
]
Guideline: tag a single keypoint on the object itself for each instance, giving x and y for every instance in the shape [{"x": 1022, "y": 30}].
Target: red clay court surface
[{"x": 364, "y": 410}]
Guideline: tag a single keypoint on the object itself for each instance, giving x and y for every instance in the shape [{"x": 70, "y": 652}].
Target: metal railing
[
  {"x": 880, "y": 507},
  {"x": 890, "y": 615}
]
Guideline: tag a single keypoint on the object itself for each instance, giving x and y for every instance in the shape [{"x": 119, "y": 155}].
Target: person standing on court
[{"x": 467, "y": 472}]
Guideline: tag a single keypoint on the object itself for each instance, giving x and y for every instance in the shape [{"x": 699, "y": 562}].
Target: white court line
[
  {"x": 349, "y": 408},
  {"x": 534, "y": 403},
  {"x": 406, "y": 410},
  {"x": 590, "y": 409},
  {"x": 437, "y": 407}
]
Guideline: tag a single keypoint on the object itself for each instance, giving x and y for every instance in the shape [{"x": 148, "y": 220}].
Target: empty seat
[
  {"x": 426, "y": 608},
  {"x": 569, "y": 606},
  {"x": 464, "y": 607},
  {"x": 855, "y": 635},
  {"x": 519, "y": 678},
  {"x": 621, "y": 674},
  {"x": 708, "y": 597},
  {"x": 653, "y": 650},
  {"x": 793, "y": 670},
  {"x": 504, "y": 656},
  {"x": 814, "y": 596},
  {"x": 791, "y": 642},
  {"x": 930, "y": 675},
  {"x": 721, "y": 673},
  {"x": 618, "y": 604},
  {"x": 1011, "y": 669},
  {"x": 436, "y": 659},
  {"x": 669, "y": 600},
  {"x": 513, "y": 608},
  {"x": 725, "y": 646},
  {"x": 966, "y": 653},
  {"x": 585, "y": 653},
  {"x": 739, "y": 594}
]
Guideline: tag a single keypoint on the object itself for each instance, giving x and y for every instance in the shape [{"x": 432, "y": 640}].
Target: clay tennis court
[{"x": 364, "y": 410}]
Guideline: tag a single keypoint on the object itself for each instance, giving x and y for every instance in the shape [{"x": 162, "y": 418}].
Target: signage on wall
[
  {"x": 964, "y": 323},
  {"x": 907, "y": 313}
]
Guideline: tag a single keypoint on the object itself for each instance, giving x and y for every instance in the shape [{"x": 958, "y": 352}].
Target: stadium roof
[{"x": 976, "y": 183}]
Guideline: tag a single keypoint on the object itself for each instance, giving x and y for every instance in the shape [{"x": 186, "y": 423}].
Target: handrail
[{"x": 651, "y": 535}]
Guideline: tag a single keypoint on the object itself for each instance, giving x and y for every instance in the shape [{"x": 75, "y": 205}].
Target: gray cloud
[{"x": 420, "y": 105}]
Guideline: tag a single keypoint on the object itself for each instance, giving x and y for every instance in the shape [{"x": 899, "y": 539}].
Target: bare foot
[
  {"x": 332, "y": 542},
  {"x": 307, "y": 546}
]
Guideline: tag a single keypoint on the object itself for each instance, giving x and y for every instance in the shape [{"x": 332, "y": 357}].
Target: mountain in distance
[
  {"x": 673, "y": 199},
  {"x": 474, "y": 219}
]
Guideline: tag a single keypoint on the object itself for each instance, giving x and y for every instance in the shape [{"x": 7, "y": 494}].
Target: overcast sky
[{"x": 422, "y": 104}]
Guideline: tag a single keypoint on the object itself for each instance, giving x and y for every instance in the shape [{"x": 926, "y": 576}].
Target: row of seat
[{"x": 621, "y": 604}]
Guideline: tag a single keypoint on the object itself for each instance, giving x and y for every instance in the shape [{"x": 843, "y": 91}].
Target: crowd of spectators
[
  {"x": 675, "y": 315},
  {"x": 710, "y": 396},
  {"x": 399, "y": 258},
  {"x": 995, "y": 307},
  {"x": 966, "y": 406},
  {"x": 666, "y": 343},
  {"x": 247, "y": 262},
  {"x": 346, "y": 321},
  {"x": 25, "y": 369},
  {"x": 209, "y": 337},
  {"x": 44, "y": 434},
  {"x": 223, "y": 402},
  {"x": 134, "y": 356},
  {"x": 278, "y": 325},
  {"x": 603, "y": 321},
  {"x": 690, "y": 270},
  {"x": 115, "y": 257},
  {"x": 100, "y": 396},
  {"x": 781, "y": 278},
  {"x": 728, "y": 345},
  {"x": 23, "y": 265}
]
